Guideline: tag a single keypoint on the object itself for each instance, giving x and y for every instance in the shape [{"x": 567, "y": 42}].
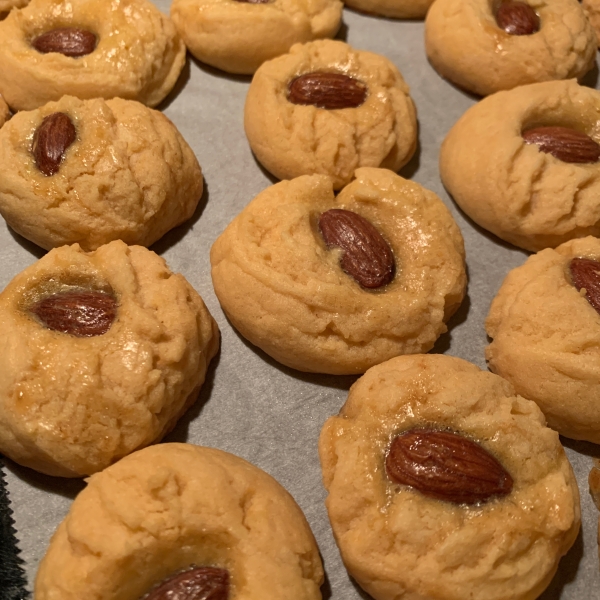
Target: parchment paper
[{"x": 250, "y": 405}]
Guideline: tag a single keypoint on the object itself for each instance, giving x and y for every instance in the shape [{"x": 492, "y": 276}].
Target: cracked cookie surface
[
  {"x": 400, "y": 544},
  {"x": 239, "y": 36},
  {"x": 128, "y": 175},
  {"x": 71, "y": 406},
  {"x": 546, "y": 339},
  {"x": 292, "y": 139},
  {"x": 286, "y": 292},
  {"x": 138, "y": 54},
  {"x": 466, "y": 46},
  {"x": 169, "y": 506},
  {"x": 524, "y": 196}
]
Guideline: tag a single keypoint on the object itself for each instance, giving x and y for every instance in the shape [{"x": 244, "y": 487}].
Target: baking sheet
[{"x": 250, "y": 405}]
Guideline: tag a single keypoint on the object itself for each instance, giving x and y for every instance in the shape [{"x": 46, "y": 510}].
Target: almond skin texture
[
  {"x": 68, "y": 41},
  {"x": 367, "y": 257},
  {"x": 198, "y": 583},
  {"x": 564, "y": 143},
  {"x": 51, "y": 140},
  {"x": 517, "y": 18},
  {"x": 446, "y": 466},
  {"x": 327, "y": 90},
  {"x": 79, "y": 313},
  {"x": 585, "y": 273}
]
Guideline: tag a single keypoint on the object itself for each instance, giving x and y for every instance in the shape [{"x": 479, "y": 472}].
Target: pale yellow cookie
[
  {"x": 523, "y": 195},
  {"x": 138, "y": 54},
  {"x": 287, "y": 293},
  {"x": 399, "y": 9},
  {"x": 465, "y": 44},
  {"x": 102, "y": 353},
  {"x": 292, "y": 139},
  {"x": 398, "y": 542},
  {"x": 128, "y": 174},
  {"x": 546, "y": 339},
  {"x": 171, "y": 506},
  {"x": 238, "y": 36}
]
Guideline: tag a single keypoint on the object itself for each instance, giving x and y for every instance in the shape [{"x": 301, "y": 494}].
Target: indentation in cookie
[
  {"x": 585, "y": 274},
  {"x": 69, "y": 41},
  {"x": 51, "y": 140},
  {"x": 196, "y": 583},
  {"x": 366, "y": 257},
  {"x": 565, "y": 143},
  {"x": 517, "y": 18},
  {"x": 446, "y": 466},
  {"x": 327, "y": 90},
  {"x": 77, "y": 312}
]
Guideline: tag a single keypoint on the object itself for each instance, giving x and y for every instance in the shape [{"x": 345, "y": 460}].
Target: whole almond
[
  {"x": 367, "y": 257},
  {"x": 446, "y": 466},
  {"x": 585, "y": 274},
  {"x": 517, "y": 18},
  {"x": 50, "y": 141},
  {"x": 69, "y": 41},
  {"x": 564, "y": 143},
  {"x": 80, "y": 313},
  {"x": 197, "y": 583},
  {"x": 327, "y": 90}
]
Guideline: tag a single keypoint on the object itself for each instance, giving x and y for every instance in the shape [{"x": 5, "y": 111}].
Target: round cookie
[
  {"x": 103, "y": 352},
  {"x": 402, "y": 542},
  {"x": 129, "y": 48},
  {"x": 398, "y": 9},
  {"x": 291, "y": 139},
  {"x": 466, "y": 44},
  {"x": 545, "y": 335},
  {"x": 127, "y": 174},
  {"x": 592, "y": 10},
  {"x": 286, "y": 291},
  {"x": 512, "y": 188},
  {"x": 239, "y": 36},
  {"x": 171, "y": 506}
]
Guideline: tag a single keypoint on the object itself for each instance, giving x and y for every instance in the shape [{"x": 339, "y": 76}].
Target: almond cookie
[
  {"x": 8, "y": 5},
  {"x": 88, "y": 49},
  {"x": 103, "y": 352},
  {"x": 592, "y": 10},
  {"x": 523, "y": 164},
  {"x": 239, "y": 36},
  {"x": 328, "y": 109},
  {"x": 399, "y": 9},
  {"x": 445, "y": 485},
  {"x": 545, "y": 331},
  {"x": 178, "y": 517},
  {"x": 337, "y": 284},
  {"x": 92, "y": 171},
  {"x": 485, "y": 46}
]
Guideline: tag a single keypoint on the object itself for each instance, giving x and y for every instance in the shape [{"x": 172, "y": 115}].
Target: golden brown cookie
[
  {"x": 545, "y": 334},
  {"x": 592, "y": 10},
  {"x": 88, "y": 49},
  {"x": 175, "y": 507},
  {"x": 301, "y": 276},
  {"x": 103, "y": 352},
  {"x": 363, "y": 116},
  {"x": 239, "y": 36},
  {"x": 399, "y": 9},
  {"x": 92, "y": 171},
  {"x": 444, "y": 484},
  {"x": 533, "y": 195},
  {"x": 485, "y": 46},
  {"x": 8, "y": 5}
]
